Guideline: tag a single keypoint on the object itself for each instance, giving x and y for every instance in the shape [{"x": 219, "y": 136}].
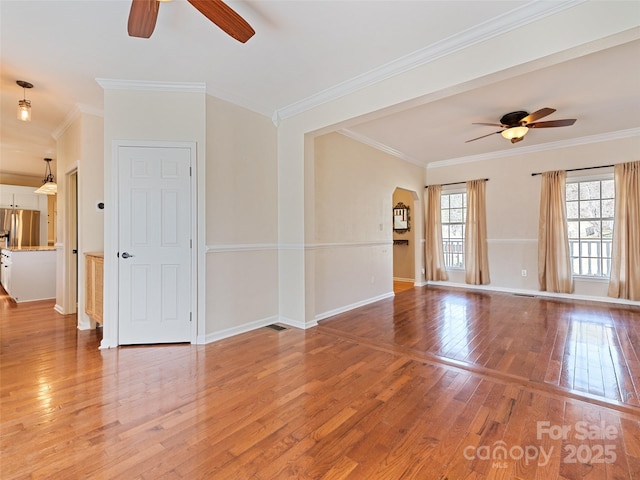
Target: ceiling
[{"x": 300, "y": 49}]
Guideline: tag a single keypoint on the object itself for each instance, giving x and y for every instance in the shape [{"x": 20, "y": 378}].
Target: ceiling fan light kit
[
  {"x": 24, "y": 105},
  {"x": 515, "y": 125},
  {"x": 514, "y": 132}
]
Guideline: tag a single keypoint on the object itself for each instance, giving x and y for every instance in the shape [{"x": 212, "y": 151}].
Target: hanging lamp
[
  {"x": 49, "y": 187},
  {"x": 24, "y": 105}
]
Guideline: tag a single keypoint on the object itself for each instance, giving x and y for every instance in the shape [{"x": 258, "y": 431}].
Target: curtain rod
[
  {"x": 454, "y": 183},
  {"x": 577, "y": 169}
]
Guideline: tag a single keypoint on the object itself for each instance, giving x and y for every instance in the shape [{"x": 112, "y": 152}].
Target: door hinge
[
  {"x": 190, "y": 317},
  {"x": 190, "y": 243},
  {"x": 189, "y": 171}
]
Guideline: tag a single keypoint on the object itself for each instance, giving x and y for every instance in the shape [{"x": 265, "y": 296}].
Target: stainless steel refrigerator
[{"x": 19, "y": 228}]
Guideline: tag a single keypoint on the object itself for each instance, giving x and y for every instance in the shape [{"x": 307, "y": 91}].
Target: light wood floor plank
[{"x": 421, "y": 386}]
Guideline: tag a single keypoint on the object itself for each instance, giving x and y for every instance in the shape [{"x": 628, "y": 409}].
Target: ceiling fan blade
[
  {"x": 488, "y": 135},
  {"x": 532, "y": 117},
  {"x": 490, "y": 124},
  {"x": 224, "y": 17},
  {"x": 553, "y": 123},
  {"x": 142, "y": 18}
]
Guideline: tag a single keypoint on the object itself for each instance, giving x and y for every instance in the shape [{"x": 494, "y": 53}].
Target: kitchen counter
[
  {"x": 29, "y": 273},
  {"x": 41, "y": 248}
]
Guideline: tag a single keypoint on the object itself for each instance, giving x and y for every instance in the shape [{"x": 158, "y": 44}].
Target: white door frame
[{"x": 111, "y": 280}]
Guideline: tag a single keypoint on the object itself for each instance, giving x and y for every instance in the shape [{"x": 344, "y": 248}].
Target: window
[
  {"x": 590, "y": 207},
  {"x": 454, "y": 214}
]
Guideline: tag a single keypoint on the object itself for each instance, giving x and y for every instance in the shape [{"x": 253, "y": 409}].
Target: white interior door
[{"x": 154, "y": 244}]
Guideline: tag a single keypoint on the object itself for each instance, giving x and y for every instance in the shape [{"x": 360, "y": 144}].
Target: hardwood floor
[
  {"x": 401, "y": 286},
  {"x": 432, "y": 384}
]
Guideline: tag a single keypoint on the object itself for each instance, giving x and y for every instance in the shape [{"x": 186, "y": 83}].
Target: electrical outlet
[{"x": 524, "y": 272}]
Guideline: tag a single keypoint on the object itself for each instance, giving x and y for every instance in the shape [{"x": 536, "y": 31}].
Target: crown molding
[
  {"x": 521, "y": 16},
  {"x": 573, "y": 142},
  {"x": 149, "y": 86},
  {"x": 73, "y": 116},
  {"x": 183, "y": 87},
  {"x": 90, "y": 110},
  {"x": 239, "y": 101},
  {"x": 358, "y": 137},
  {"x": 66, "y": 123}
]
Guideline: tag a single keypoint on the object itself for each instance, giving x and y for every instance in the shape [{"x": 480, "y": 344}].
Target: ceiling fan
[
  {"x": 515, "y": 125},
  {"x": 144, "y": 13}
]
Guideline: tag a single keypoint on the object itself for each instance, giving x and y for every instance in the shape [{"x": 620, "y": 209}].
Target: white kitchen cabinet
[
  {"x": 15, "y": 196},
  {"x": 5, "y": 269},
  {"x": 29, "y": 273}
]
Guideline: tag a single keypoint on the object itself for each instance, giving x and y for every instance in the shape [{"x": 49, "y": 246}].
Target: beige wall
[
  {"x": 513, "y": 197},
  {"x": 404, "y": 255},
  {"x": 354, "y": 187},
  {"x": 241, "y": 220},
  {"x": 69, "y": 148},
  {"x": 79, "y": 148}
]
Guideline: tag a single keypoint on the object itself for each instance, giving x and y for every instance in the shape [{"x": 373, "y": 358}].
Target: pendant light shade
[
  {"x": 49, "y": 187},
  {"x": 24, "y": 105}
]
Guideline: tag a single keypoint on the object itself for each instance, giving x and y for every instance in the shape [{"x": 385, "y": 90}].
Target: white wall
[
  {"x": 241, "y": 220},
  {"x": 353, "y": 247},
  {"x": 513, "y": 202},
  {"x": 90, "y": 192}
]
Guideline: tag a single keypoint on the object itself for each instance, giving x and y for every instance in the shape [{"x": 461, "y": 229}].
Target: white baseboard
[
  {"x": 346, "y": 308},
  {"x": 230, "y": 332},
  {"x": 535, "y": 293},
  {"x": 297, "y": 323},
  {"x": 58, "y": 309}
]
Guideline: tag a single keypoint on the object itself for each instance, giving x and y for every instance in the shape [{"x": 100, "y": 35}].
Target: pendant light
[
  {"x": 24, "y": 105},
  {"x": 49, "y": 187}
]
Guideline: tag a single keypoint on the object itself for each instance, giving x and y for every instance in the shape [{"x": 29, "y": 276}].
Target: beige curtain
[
  {"x": 476, "y": 255},
  {"x": 434, "y": 253},
  {"x": 554, "y": 261},
  {"x": 625, "y": 254}
]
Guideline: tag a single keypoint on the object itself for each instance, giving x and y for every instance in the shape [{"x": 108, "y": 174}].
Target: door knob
[{"x": 126, "y": 255}]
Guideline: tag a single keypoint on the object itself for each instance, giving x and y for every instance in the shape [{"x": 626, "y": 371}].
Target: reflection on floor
[{"x": 588, "y": 349}]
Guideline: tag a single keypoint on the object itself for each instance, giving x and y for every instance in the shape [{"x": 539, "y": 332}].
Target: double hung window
[
  {"x": 590, "y": 209},
  {"x": 453, "y": 206}
]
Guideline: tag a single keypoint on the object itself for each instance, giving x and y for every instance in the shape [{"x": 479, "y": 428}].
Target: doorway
[{"x": 404, "y": 240}]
